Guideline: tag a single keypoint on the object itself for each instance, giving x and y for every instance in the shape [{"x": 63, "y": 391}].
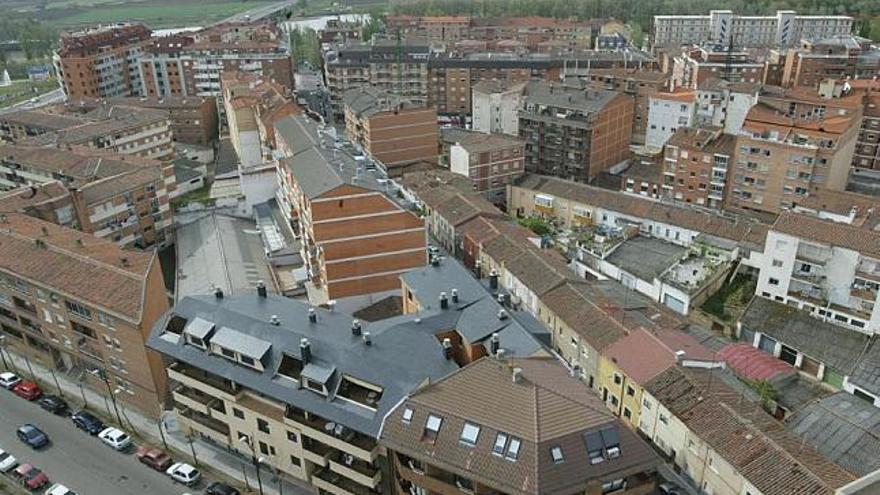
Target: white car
[
  {"x": 59, "y": 489},
  {"x": 115, "y": 438},
  {"x": 9, "y": 380},
  {"x": 7, "y": 462},
  {"x": 182, "y": 472}
]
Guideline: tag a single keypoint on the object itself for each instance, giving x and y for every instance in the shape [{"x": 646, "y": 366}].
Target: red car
[
  {"x": 28, "y": 390},
  {"x": 31, "y": 477},
  {"x": 154, "y": 458}
]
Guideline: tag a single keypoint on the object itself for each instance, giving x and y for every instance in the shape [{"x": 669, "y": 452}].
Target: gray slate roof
[
  {"x": 826, "y": 342},
  {"x": 646, "y": 257},
  {"x": 844, "y": 428},
  {"x": 558, "y": 95},
  {"x": 867, "y": 372},
  {"x": 402, "y": 356}
]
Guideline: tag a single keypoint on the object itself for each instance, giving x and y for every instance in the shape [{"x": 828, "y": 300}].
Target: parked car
[
  {"x": 182, "y": 472},
  {"x": 217, "y": 488},
  {"x": 59, "y": 489},
  {"x": 54, "y": 404},
  {"x": 155, "y": 458},
  {"x": 669, "y": 488},
  {"x": 87, "y": 422},
  {"x": 31, "y": 477},
  {"x": 115, "y": 438},
  {"x": 28, "y": 390},
  {"x": 9, "y": 380},
  {"x": 7, "y": 462},
  {"x": 32, "y": 436}
]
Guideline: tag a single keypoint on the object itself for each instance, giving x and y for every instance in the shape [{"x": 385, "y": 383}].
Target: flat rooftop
[{"x": 646, "y": 257}]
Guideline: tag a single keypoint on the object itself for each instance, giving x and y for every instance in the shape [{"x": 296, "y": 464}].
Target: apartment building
[
  {"x": 401, "y": 69},
  {"x": 435, "y": 435},
  {"x": 574, "y": 133},
  {"x": 83, "y": 306},
  {"x": 126, "y": 130},
  {"x": 780, "y": 156},
  {"x": 391, "y": 129},
  {"x": 495, "y": 107},
  {"x": 699, "y": 63},
  {"x": 435, "y": 28},
  {"x": 696, "y": 163},
  {"x": 491, "y": 161},
  {"x": 118, "y": 198},
  {"x": 867, "y": 154},
  {"x": 305, "y": 388},
  {"x": 669, "y": 111},
  {"x": 785, "y": 29},
  {"x": 640, "y": 84},
  {"x": 23, "y": 124},
  {"x": 837, "y": 57},
  {"x": 355, "y": 238},
  {"x": 101, "y": 62},
  {"x": 829, "y": 269},
  {"x": 193, "y": 120},
  {"x": 190, "y": 64}
]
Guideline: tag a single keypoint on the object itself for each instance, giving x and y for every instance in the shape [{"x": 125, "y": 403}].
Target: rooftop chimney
[
  {"x": 501, "y": 299},
  {"x": 444, "y": 301},
  {"x": 500, "y": 354},
  {"x": 493, "y": 280},
  {"x": 502, "y": 315},
  {"x": 494, "y": 344},
  {"x": 313, "y": 316},
  {"x": 218, "y": 293},
  {"x": 261, "y": 289},
  {"x": 478, "y": 268},
  {"x": 274, "y": 320},
  {"x": 305, "y": 351},
  {"x": 368, "y": 340},
  {"x": 356, "y": 328},
  {"x": 447, "y": 348},
  {"x": 455, "y": 296},
  {"x": 517, "y": 375}
]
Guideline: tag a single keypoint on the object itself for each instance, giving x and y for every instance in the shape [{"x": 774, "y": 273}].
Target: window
[
  {"x": 627, "y": 413},
  {"x": 262, "y": 425},
  {"x": 500, "y": 444},
  {"x": 777, "y": 263},
  {"x": 78, "y": 310},
  {"x": 512, "y": 449},
  {"x": 613, "y": 486},
  {"x": 238, "y": 413},
  {"x": 432, "y": 427},
  {"x": 264, "y": 449},
  {"x": 556, "y": 454},
  {"x": 617, "y": 378},
  {"x": 630, "y": 391},
  {"x": 464, "y": 484},
  {"x": 248, "y": 361},
  {"x": 594, "y": 447},
  {"x": 407, "y": 415},
  {"x": 773, "y": 281},
  {"x": 227, "y": 353},
  {"x": 295, "y": 461},
  {"x": 292, "y": 437},
  {"x": 469, "y": 434}
]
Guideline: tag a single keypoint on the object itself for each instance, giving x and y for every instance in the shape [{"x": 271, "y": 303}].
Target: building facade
[
  {"x": 696, "y": 163},
  {"x": 491, "y": 162},
  {"x": 667, "y": 113},
  {"x": 641, "y": 84},
  {"x": 495, "y": 106}
]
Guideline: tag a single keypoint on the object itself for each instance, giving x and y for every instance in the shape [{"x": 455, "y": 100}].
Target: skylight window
[
  {"x": 556, "y": 454},
  {"x": 512, "y": 449},
  {"x": 612, "y": 442},
  {"x": 500, "y": 444},
  {"x": 595, "y": 447},
  {"x": 469, "y": 434},
  {"x": 432, "y": 427},
  {"x": 407, "y": 415}
]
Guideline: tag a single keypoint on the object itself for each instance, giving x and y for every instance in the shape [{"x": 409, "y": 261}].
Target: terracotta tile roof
[
  {"x": 78, "y": 265},
  {"x": 584, "y": 317},
  {"x": 644, "y": 354},
  {"x": 22, "y": 198},
  {"x": 109, "y": 187},
  {"x": 753, "y": 364},
  {"x": 680, "y": 94},
  {"x": 840, "y": 202},
  {"x": 762, "y": 117},
  {"x": 546, "y": 408},
  {"x": 863, "y": 240}
]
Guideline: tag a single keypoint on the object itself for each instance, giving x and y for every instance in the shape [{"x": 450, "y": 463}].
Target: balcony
[
  {"x": 316, "y": 452},
  {"x": 201, "y": 380},
  {"x": 332, "y": 482},
  {"x": 316, "y": 427},
  {"x": 355, "y": 469},
  {"x": 813, "y": 256},
  {"x": 209, "y": 427},
  {"x": 193, "y": 399}
]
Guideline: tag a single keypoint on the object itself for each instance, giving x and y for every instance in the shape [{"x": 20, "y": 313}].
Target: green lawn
[
  {"x": 24, "y": 90},
  {"x": 158, "y": 14},
  {"x": 731, "y": 297}
]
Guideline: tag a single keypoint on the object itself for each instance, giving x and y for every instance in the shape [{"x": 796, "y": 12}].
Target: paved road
[
  {"x": 258, "y": 13},
  {"x": 75, "y": 459},
  {"x": 50, "y": 98}
]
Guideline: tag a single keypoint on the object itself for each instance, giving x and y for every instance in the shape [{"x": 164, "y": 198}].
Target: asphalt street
[{"x": 79, "y": 461}]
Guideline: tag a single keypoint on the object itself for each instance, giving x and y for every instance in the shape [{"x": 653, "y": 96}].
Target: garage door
[
  {"x": 747, "y": 336},
  {"x": 767, "y": 344},
  {"x": 810, "y": 366},
  {"x": 833, "y": 377},
  {"x": 673, "y": 303},
  {"x": 788, "y": 355}
]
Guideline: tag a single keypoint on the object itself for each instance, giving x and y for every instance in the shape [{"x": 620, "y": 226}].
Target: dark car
[
  {"x": 87, "y": 422},
  {"x": 155, "y": 458},
  {"x": 32, "y": 436},
  {"x": 217, "y": 488},
  {"x": 54, "y": 404}
]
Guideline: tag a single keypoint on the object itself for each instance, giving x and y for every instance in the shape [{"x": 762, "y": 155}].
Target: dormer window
[
  {"x": 469, "y": 434},
  {"x": 432, "y": 428},
  {"x": 227, "y": 353}
]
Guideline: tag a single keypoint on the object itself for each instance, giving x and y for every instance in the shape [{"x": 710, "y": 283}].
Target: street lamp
[
  {"x": 256, "y": 462},
  {"x": 102, "y": 375}
]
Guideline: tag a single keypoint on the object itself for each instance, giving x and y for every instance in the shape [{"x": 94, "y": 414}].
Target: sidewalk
[{"x": 208, "y": 457}]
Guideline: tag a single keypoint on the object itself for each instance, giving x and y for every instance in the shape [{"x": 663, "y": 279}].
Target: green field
[
  {"x": 24, "y": 90},
  {"x": 185, "y": 14}
]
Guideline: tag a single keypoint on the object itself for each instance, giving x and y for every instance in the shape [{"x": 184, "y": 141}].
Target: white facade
[
  {"x": 664, "y": 117},
  {"x": 496, "y": 113},
  {"x": 832, "y": 283},
  {"x": 784, "y": 29},
  {"x": 459, "y": 160},
  {"x": 724, "y": 108}
]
